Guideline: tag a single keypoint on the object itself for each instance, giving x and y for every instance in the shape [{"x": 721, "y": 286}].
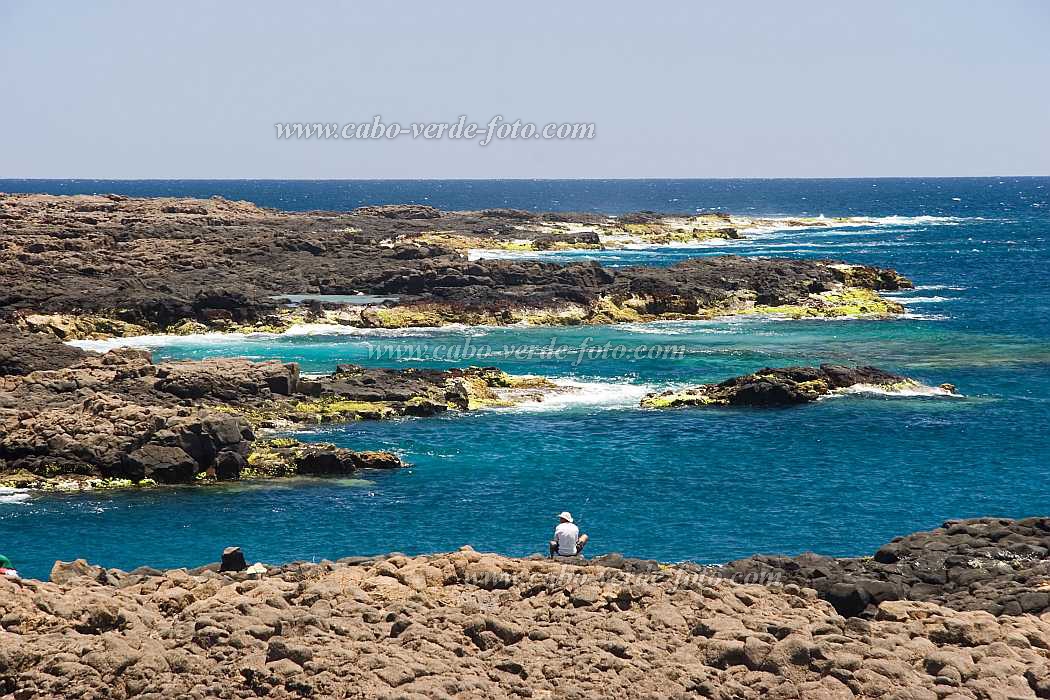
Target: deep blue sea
[{"x": 838, "y": 477}]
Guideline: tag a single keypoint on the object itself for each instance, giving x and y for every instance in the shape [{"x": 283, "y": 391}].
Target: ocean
[{"x": 838, "y": 477}]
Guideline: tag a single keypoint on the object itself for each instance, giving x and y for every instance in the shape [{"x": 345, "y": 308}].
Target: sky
[{"x": 673, "y": 89}]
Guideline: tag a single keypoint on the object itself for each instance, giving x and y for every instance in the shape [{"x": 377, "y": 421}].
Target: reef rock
[
  {"x": 22, "y": 353},
  {"x": 780, "y": 386}
]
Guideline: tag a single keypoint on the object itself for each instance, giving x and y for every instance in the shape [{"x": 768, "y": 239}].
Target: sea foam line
[
  {"x": 920, "y": 300},
  {"x": 304, "y": 330}
]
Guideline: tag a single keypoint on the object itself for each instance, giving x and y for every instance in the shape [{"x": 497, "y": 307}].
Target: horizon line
[{"x": 510, "y": 179}]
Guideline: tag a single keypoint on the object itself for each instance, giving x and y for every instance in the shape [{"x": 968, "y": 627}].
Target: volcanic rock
[{"x": 780, "y": 386}]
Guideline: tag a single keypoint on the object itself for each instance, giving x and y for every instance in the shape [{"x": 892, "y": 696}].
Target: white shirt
[{"x": 566, "y": 535}]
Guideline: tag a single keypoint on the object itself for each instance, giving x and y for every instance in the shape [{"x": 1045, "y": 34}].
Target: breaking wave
[
  {"x": 10, "y": 495},
  {"x": 582, "y": 394}
]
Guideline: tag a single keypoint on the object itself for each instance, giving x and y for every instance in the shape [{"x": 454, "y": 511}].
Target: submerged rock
[{"x": 781, "y": 386}]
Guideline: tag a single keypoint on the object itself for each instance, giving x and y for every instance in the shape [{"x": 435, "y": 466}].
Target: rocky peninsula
[
  {"x": 74, "y": 419},
  {"x": 956, "y": 613},
  {"x": 101, "y": 266}
]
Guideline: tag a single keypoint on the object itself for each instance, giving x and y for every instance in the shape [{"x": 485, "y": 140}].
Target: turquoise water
[{"x": 839, "y": 477}]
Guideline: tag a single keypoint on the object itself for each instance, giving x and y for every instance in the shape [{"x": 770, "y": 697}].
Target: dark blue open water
[{"x": 839, "y": 477}]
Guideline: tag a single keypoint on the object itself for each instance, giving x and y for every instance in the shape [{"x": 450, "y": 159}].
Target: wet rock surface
[
  {"x": 470, "y": 625},
  {"x": 780, "y": 386},
  {"x": 158, "y": 263}
]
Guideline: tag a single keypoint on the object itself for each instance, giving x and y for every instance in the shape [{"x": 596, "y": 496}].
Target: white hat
[{"x": 565, "y": 515}]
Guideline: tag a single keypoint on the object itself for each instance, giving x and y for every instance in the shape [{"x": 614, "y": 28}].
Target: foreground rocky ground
[
  {"x": 70, "y": 418},
  {"x": 478, "y": 625},
  {"x": 93, "y": 266}
]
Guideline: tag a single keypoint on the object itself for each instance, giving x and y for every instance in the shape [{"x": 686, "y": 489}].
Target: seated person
[{"x": 567, "y": 542}]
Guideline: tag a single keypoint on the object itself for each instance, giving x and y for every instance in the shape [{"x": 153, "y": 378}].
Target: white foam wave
[
  {"x": 153, "y": 341},
  {"x": 581, "y": 394},
  {"x": 497, "y": 254},
  {"x": 10, "y": 495},
  {"x": 896, "y": 220},
  {"x": 923, "y": 317},
  {"x": 328, "y": 329},
  {"x": 927, "y": 300},
  {"x": 823, "y": 223},
  {"x": 938, "y": 287},
  {"x": 920, "y": 390}
]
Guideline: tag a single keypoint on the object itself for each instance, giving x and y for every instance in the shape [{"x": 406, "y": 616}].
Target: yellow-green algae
[
  {"x": 328, "y": 410},
  {"x": 847, "y": 302},
  {"x": 685, "y": 397},
  {"x": 80, "y": 326}
]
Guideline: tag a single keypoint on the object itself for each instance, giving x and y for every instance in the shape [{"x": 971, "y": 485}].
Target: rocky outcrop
[
  {"x": 783, "y": 386},
  {"x": 22, "y": 353},
  {"x": 289, "y": 457},
  {"x": 996, "y": 565},
  {"x": 468, "y": 624},
  {"x": 119, "y": 418},
  {"x": 102, "y": 417},
  {"x": 83, "y": 267}
]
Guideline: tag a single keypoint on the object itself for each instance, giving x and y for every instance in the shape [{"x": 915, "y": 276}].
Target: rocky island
[
  {"x": 786, "y": 386},
  {"x": 101, "y": 266}
]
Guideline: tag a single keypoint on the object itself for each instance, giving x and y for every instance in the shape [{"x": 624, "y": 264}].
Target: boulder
[{"x": 164, "y": 464}]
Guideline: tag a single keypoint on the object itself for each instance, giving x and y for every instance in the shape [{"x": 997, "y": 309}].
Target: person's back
[{"x": 566, "y": 535}]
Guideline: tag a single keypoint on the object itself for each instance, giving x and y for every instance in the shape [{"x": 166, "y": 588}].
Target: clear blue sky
[{"x": 683, "y": 89}]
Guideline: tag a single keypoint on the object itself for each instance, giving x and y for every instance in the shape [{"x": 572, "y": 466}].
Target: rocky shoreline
[
  {"x": 104, "y": 266},
  {"x": 74, "y": 419},
  {"x": 91, "y": 267},
  {"x": 959, "y": 612},
  {"x": 956, "y": 613}
]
